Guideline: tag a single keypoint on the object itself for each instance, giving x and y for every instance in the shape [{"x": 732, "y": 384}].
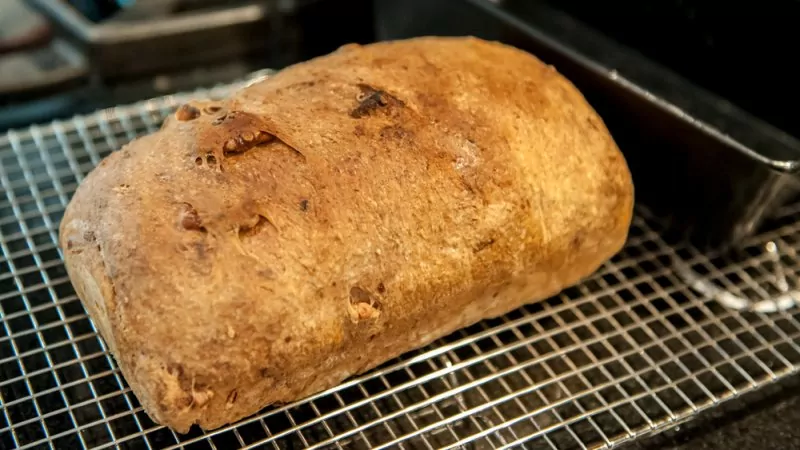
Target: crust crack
[
  {"x": 260, "y": 222},
  {"x": 245, "y": 141},
  {"x": 228, "y": 134},
  {"x": 371, "y": 99}
]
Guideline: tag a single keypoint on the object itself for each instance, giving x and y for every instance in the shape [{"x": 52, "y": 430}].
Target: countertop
[{"x": 766, "y": 418}]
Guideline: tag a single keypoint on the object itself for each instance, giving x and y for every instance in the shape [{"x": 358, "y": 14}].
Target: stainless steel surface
[
  {"x": 151, "y": 37},
  {"x": 636, "y": 348},
  {"x": 157, "y": 27}
]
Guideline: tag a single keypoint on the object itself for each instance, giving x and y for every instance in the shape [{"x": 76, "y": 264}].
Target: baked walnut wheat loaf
[{"x": 347, "y": 210}]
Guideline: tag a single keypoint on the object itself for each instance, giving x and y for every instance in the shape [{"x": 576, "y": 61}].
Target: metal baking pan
[
  {"x": 32, "y": 82},
  {"x": 165, "y": 36},
  {"x": 155, "y": 38},
  {"x": 717, "y": 170}
]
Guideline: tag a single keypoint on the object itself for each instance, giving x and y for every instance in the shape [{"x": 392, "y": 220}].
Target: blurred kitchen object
[
  {"x": 150, "y": 36},
  {"x": 35, "y": 67},
  {"x": 129, "y": 50},
  {"x": 20, "y": 29}
]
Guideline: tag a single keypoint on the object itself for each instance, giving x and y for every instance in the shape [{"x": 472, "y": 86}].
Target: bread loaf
[{"x": 349, "y": 209}]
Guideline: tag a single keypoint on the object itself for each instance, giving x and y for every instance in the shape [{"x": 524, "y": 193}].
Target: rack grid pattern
[{"x": 636, "y": 348}]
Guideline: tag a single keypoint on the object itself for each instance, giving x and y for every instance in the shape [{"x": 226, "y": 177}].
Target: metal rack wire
[{"x": 636, "y": 348}]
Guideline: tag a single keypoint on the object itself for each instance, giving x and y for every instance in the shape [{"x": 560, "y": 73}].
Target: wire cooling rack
[{"x": 645, "y": 343}]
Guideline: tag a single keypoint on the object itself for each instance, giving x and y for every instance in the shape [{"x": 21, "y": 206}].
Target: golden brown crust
[{"x": 345, "y": 211}]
